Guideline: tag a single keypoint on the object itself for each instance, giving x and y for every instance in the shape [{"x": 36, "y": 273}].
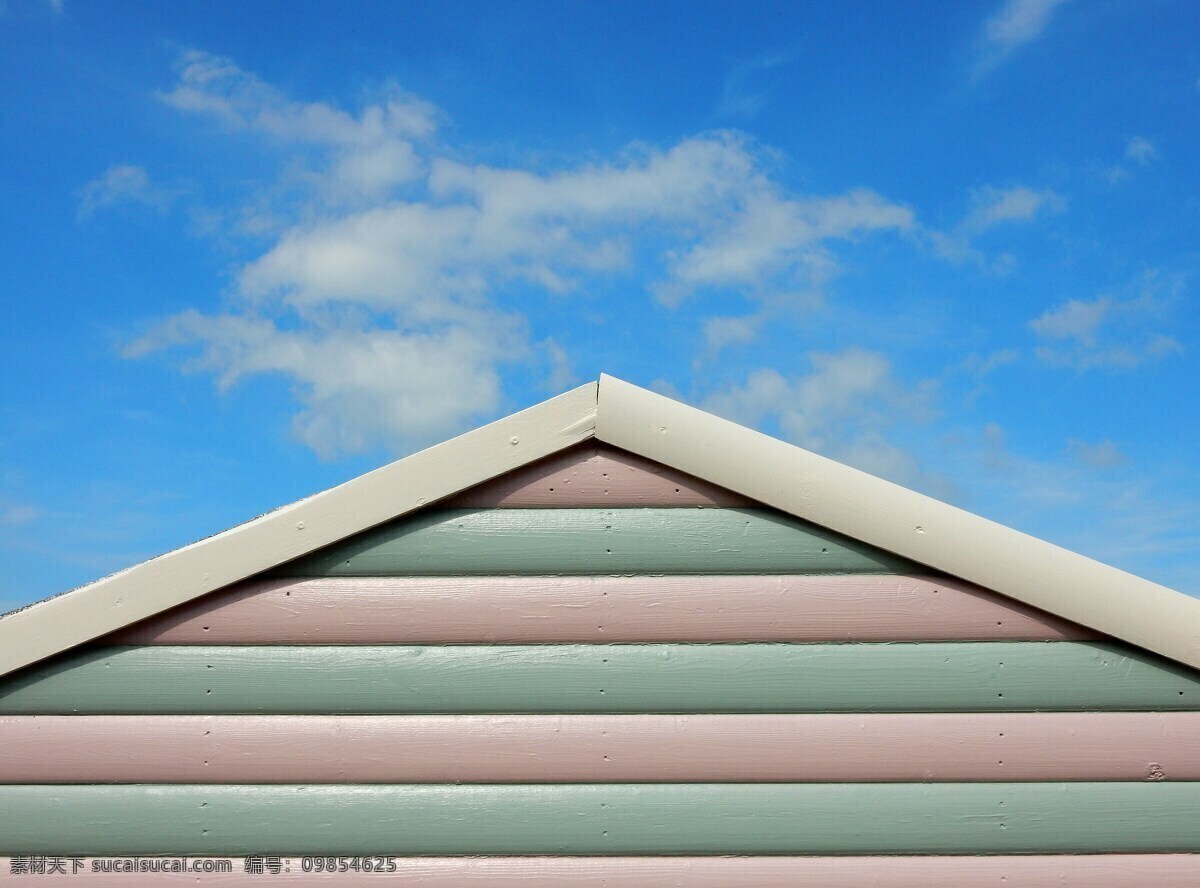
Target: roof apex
[{"x": 776, "y": 473}]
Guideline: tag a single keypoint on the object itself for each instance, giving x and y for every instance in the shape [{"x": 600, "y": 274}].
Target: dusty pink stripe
[
  {"x": 594, "y": 475},
  {"x": 446, "y": 610},
  {"x": 1034, "y": 871},
  {"x": 597, "y": 749}
]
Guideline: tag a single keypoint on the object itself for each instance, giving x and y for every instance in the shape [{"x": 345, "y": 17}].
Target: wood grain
[
  {"x": 626, "y": 818},
  {"x": 996, "y": 871},
  {"x": 442, "y": 542},
  {"x": 594, "y": 475},
  {"x": 516, "y": 610},
  {"x": 881, "y": 748},
  {"x": 667, "y": 678}
]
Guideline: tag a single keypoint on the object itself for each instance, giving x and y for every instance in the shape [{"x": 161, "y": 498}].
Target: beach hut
[{"x": 609, "y": 640}]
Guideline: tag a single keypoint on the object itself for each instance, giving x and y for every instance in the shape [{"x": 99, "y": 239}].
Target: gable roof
[{"x": 755, "y": 465}]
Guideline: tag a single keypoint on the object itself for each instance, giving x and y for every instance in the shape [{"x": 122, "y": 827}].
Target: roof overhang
[{"x": 781, "y": 475}]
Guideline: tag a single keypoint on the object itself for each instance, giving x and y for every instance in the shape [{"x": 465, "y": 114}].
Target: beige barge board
[
  {"x": 899, "y": 520},
  {"x": 795, "y": 481},
  {"x": 59, "y": 623}
]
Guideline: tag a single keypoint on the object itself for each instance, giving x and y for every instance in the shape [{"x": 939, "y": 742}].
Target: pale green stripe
[
  {"x": 953, "y": 818},
  {"x": 596, "y": 541},
  {"x": 925, "y": 677}
]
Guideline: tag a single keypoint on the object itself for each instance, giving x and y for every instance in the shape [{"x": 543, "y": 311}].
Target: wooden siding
[
  {"x": 592, "y": 475},
  {"x": 875, "y": 748},
  {"x": 669, "y": 678},
  {"x": 533, "y": 672},
  {"x": 997, "y": 871},
  {"x": 438, "y": 542},
  {"x": 692, "y": 818},
  {"x": 598, "y": 609}
]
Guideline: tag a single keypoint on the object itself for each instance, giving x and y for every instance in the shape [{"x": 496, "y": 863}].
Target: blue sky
[{"x": 252, "y": 250}]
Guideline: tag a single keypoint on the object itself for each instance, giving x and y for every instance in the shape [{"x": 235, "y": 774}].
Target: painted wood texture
[
  {"x": 1000, "y": 871},
  {"x": 626, "y": 818},
  {"x": 947, "y": 539},
  {"x": 594, "y": 475},
  {"x": 515, "y": 610},
  {"x": 443, "y": 542},
  {"x": 58, "y": 624},
  {"x": 320, "y": 679},
  {"x": 995, "y": 747}
]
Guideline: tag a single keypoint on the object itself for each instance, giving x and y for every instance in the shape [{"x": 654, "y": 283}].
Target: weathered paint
[
  {"x": 515, "y": 610},
  {"x": 626, "y": 818},
  {"x": 443, "y": 542},
  {"x": 924, "y": 677},
  {"x": 996, "y": 871},
  {"x": 594, "y": 475},
  {"x": 932, "y": 747}
]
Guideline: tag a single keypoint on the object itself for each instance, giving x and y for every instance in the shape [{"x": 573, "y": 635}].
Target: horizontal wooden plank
[
  {"x": 982, "y": 747},
  {"x": 516, "y": 610},
  {"x": 594, "y": 475},
  {"x": 626, "y": 818},
  {"x": 442, "y": 542},
  {"x": 317, "y": 679},
  {"x": 1001, "y": 871}
]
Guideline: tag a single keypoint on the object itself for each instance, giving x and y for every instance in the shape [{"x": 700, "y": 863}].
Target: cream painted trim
[
  {"x": 781, "y": 475},
  {"x": 901, "y": 521},
  {"x": 59, "y": 623}
]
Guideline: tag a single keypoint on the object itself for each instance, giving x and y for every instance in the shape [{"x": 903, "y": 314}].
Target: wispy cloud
[
  {"x": 842, "y": 408},
  {"x": 1015, "y": 24},
  {"x": 380, "y": 294},
  {"x": 743, "y": 94},
  {"x": 1140, "y": 150},
  {"x": 993, "y": 208},
  {"x": 124, "y": 184},
  {"x": 1102, "y": 455},
  {"x": 18, "y": 514},
  {"x": 1110, "y": 332}
]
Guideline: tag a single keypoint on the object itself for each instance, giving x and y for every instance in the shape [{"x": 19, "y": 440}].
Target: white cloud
[
  {"x": 1015, "y": 24},
  {"x": 720, "y": 332},
  {"x": 389, "y": 253},
  {"x": 1108, "y": 331},
  {"x": 362, "y": 156},
  {"x": 1140, "y": 150},
  {"x": 357, "y": 386},
  {"x": 997, "y": 206},
  {"x": 123, "y": 184},
  {"x": 842, "y": 408},
  {"x": 993, "y": 208}
]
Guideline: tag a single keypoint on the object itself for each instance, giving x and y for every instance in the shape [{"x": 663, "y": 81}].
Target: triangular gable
[
  {"x": 447, "y": 575},
  {"x": 715, "y": 453}
]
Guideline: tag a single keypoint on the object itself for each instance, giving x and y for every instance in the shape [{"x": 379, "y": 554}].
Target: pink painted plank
[
  {"x": 594, "y": 475},
  {"x": 1027, "y": 871},
  {"x": 465, "y": 610},
  {"x": 869, "y": 748}
]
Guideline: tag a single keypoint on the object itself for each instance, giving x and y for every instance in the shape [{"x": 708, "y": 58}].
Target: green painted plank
[
  {"x": 596, "y": 541},
  {"x": 924, "y": 677},
  {"x": 705, "y": 818}
]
